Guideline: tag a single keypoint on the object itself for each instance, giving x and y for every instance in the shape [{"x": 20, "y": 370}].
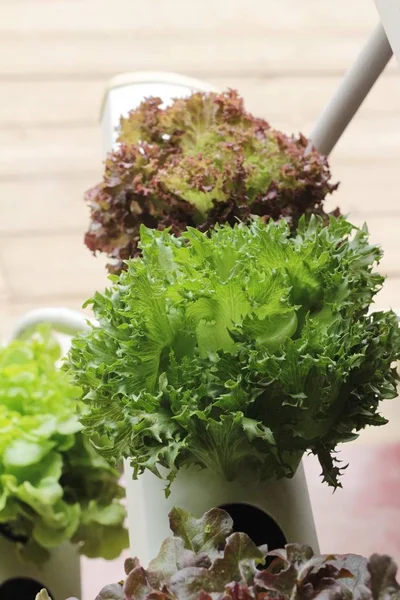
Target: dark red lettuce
[{"x": 203, "y": 160}]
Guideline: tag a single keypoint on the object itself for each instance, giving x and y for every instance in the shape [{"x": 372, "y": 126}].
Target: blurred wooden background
[{"x": 286, "y": 57}]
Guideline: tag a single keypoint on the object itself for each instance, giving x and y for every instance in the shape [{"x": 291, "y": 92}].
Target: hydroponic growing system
[{"x": 281, "y": 507}]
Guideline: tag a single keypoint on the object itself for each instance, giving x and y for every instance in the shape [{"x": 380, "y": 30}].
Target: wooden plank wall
[{"x": 285, "y": 56}]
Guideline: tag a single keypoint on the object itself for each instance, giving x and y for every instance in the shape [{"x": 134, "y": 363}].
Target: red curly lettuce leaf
[
  {"x": 292, "y": 573},
  {"x": 201, "y": 161}
]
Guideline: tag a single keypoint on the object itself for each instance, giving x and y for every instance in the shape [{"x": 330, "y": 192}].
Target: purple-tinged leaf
[
  {"x": 173, "y": 557},
  {"x": 383, "y": 571},
  {"x": 207, "y": 534},
  {"x": 111, "y": 592},
  {"x": 201, "y": 161},
  {"x": 239, "y": 561},
  {"x": 179, "y": 573},
  {"x": 137, "y": 585}
]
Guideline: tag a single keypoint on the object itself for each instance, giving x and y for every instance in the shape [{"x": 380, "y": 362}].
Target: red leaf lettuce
[
  {"x": 204, "y": 160},
  {"x": 206, "y": 561}
]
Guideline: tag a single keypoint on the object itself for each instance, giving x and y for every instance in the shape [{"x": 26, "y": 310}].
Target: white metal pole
[
  {"x": 352, "y": 92},
  {"x": 62, "y": 320},
  {"x": 389, "y": 12}
]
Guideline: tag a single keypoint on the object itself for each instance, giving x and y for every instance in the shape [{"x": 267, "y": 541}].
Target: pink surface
[{"x": 363, "y": 517}]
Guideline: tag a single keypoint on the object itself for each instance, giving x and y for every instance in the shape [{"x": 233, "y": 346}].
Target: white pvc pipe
[
  {"x": 286, "y": 501},
  {"x": 62, "y": 320},
  {"x": 126, "y": 91},
  {"x": 389, "y": 12},
  {"x": 352, "y": 92},
  {"x": 60, "y": 574}
]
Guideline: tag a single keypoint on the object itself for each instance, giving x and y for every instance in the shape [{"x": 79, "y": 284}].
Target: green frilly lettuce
[
  {"x": 54, "y": 487},
  {"x": 239, "y": 350}
]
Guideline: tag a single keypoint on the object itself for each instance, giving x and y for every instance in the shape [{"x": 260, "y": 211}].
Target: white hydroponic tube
[
  {"x": 351, "y": 92},
  {"x": 60, "y": 575},
  {"x": 389, "y": 12},
  {"x": 62, "y": 320}
]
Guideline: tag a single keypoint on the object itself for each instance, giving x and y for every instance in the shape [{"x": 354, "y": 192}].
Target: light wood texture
[
  {"x": 285, "y": 57},
  {"x": 56, "y": 265},
  {"x": 56, "y": 56},
  {"x": 71, "y": 38},
  {"x": 67, "y": 55},
  {"x": 294, "y": 99},
  {"x": 76, "y": 16}
]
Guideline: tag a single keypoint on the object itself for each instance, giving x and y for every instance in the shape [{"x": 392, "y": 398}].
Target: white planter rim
[
  {"x": 60, "y": 574},
  {"x": 285, "y": 502},
  {"x": 162, "y": 77}
]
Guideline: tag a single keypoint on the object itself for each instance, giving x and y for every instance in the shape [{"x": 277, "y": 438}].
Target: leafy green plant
[
  {"x": 238, "y": 350},
  {"x": 203, "y": 160},
  {"x": 54, "y": 487},
  {"x": 204, "y": 560}
]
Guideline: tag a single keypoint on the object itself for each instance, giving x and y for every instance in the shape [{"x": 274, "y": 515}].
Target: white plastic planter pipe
[
  {"x": 125, "y": 92},
  {"x": 351, "y": 92},
  {"x": 389, "y": 12},
  {"x": 274, "y": 512},
  {"x": 285, "y": 505},
  {"x": 60, "y": 575}
]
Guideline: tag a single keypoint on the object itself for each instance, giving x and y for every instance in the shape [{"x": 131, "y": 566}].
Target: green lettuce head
[
  {"x": 54, "y": 487},
  {"x": 239, "y": 350},
  {"x": 201, "y": 161}
]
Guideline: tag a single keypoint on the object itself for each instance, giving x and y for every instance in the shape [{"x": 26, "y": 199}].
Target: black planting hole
[
  {"x": 21, "y": 587},
  {"x": 258, "y": 525}
]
